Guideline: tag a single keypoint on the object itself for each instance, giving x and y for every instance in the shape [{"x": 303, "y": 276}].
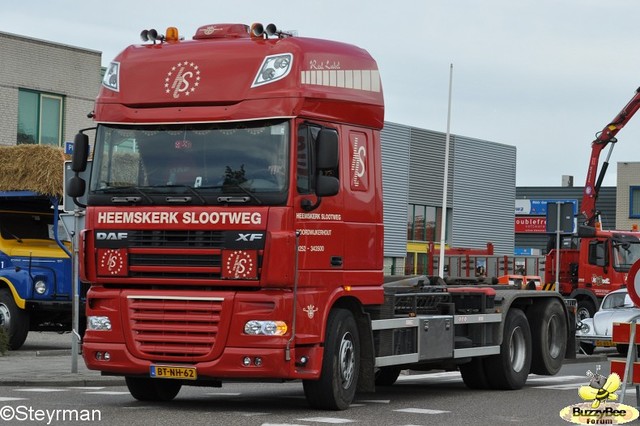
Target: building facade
[
  {"x": 479, "y": 201},
  {"x": 628, "y": 197},
  {"x": 531, "y": 237},
  {"x": 46, "y": 90}
]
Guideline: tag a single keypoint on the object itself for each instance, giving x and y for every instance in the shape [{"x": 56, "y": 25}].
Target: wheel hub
[
  {"x": 347, "y": 360},
  {"x": 5, "y": 316}
]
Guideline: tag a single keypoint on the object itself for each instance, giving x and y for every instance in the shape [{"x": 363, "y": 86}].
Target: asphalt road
[{"x": 417, "y": 398}]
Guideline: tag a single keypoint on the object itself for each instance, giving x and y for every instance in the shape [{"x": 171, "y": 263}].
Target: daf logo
[
  {"x": 249, "y": 237},
  {"x": 112, "y": 236}
]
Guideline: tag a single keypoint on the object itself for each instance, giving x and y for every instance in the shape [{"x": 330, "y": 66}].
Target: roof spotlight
[{"x": 144, "y": 35}]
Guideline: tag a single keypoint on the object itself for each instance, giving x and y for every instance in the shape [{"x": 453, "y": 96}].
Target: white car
[{"x": 594, "y": 332}]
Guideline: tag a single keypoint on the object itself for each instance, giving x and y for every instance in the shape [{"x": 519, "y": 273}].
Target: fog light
[
  {"x": 246, "y": 361},
  {"x": 98, "y": 356},
  {"x": 304, "y": 360},
  {"x": 257, "y": 361},
  {"x": 106, "y": 356},
  {"x": 98, "y": 323},
  {"x": 40, "y": 286}
]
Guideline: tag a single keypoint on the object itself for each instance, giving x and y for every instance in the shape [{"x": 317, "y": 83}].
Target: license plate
[
  {"x": 604, "y": 343},
  {"x": 173, "y": 372}
]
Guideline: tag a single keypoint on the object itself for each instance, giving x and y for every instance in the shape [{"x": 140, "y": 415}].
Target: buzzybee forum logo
[{"x": 599, "y": 407}]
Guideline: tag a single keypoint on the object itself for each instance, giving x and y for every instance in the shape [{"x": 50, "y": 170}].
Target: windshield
[
  {"x": 625, "y": 253},
  {"x": 205, "y": 163}
]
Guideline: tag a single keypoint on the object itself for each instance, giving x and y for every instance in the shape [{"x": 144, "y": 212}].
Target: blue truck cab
[{"x": 35, "y": 266}]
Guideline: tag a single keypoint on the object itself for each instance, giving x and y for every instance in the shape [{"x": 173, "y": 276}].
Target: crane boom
[{"x": 604, "y": 138}]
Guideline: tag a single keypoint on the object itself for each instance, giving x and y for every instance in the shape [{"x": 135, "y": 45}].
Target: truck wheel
[
  {"x": 387, "y": 376},
  {"x": 336, "y": 387},
  {"x": 14, "y": 320},
  {"x": 473, "y": 374},
  {"x": 548, "y": 337},
  {"x": 510, "y": 368},
  {"x": 586, "y": 309},
  {"x": 144, "y": 389}
]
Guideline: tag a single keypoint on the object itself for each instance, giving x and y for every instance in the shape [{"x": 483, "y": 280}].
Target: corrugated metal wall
[
  {"x": 484, "y": 176},
  {"x": 481, "y": 186},
  {"x": 395, "y": 177},
  {"x": 606, "y": 204},
  {"x": 426, "y": 167}
]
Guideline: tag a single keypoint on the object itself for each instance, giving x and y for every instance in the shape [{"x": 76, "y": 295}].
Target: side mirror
[
  {"x": 80, "y": 153},
  {"x": 76, "y": 187},
  {"x": 327, "y": 150},
  {"x": 326, "y": 186}
]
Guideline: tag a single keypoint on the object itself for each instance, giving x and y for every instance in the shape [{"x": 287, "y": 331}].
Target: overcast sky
[{"x": 541, "y": 75}]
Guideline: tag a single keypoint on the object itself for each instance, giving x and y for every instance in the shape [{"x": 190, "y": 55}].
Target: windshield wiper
[
  {"x": 231, "y": 199},
  {"x": 126, "y": 199},
  {"x": 188, "y": 188}
]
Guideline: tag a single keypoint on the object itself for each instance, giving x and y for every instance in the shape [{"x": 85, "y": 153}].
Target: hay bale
[{"x": 38, "y": 168}]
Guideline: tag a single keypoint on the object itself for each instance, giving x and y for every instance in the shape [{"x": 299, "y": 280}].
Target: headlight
[
  {"x": 40, "y": 286},
  {"x": 584, "y": 328},
  {"x": 98, "y": 323},
  {"x": 265, "y": 328}
]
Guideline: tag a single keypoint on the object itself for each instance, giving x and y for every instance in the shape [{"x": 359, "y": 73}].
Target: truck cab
[{"x": 35, "y": 266}]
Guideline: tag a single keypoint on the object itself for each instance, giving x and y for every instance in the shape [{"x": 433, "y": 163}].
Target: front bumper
[{"x": 230, "y": 365}]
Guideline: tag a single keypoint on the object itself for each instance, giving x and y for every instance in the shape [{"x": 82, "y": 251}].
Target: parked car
[{"x": 594, "y": 332}]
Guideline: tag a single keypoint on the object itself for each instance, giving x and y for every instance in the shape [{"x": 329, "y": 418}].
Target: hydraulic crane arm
[{"x": 604, "y": 138}]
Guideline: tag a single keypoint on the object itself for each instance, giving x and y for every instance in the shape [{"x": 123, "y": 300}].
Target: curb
[{"x": 98, "y": 381}]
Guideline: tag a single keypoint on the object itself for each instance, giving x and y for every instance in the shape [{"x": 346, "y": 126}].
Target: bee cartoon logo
[
  {"x": 600, "y": 388},
  {"x": 599, "y": 406}
]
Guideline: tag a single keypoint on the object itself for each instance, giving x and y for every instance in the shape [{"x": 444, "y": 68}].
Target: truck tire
[
  {"x": 548, "y": 325},
  {"x": 510, "y": 368},
  {"x": 14, "y": 320},
  {"x": 336, "y": 387},
  {"x": 473, "y": 374},
  {"x": 145, "y": 389},
  {"x": 586, "y": 309},
  {"x": 387, "y": 376}
]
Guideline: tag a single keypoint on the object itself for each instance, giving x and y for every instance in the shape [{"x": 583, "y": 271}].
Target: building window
[
  {"x": 39, "y": 118},
  {"x": 634, "y": 202},
  {"x": 422, "y": 223}
]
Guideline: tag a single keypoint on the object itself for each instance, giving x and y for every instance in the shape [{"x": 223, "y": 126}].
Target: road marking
[
  {"x": 332, "y": 420},
  {"x": 86, "y": 387},
  {"x": 374, "y": 401},
  {"x": 421, "y": 411},
  {"x": 223, "y": 393},
  {"x": 556, "y": 378},
  {"x": 108, "y": 393},
  {"x": 9, "y": 398},
  {"x": 40, "y": 390}
]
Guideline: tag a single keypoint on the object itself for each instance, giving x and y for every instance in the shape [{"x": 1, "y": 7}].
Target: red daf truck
[
  {"x": 234, "y": 231},
  {"x": 599, "y": 260}
]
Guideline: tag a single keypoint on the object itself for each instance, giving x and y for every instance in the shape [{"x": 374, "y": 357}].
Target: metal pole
[
  {"x": 443, "y": 227},
  {"x": 75, "y": 314}
]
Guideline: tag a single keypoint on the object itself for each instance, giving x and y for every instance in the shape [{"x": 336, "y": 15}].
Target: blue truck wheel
[{"x": 14, "y": 320}]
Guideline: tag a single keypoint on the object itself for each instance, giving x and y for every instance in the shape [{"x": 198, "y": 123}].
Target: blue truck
[{"x": 35, "y": 266}]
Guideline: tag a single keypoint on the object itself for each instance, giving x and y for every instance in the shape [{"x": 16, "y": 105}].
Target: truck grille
[
  {"x": 176, "y": 239},
  {"x": 174, "y": 328},
  {"x": 176, "y": 254}
]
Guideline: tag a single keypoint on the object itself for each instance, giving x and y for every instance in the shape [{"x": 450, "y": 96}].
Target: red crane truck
[
  {"x": 600, "y": 260},
  {"x": 234, "y": 231}
]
